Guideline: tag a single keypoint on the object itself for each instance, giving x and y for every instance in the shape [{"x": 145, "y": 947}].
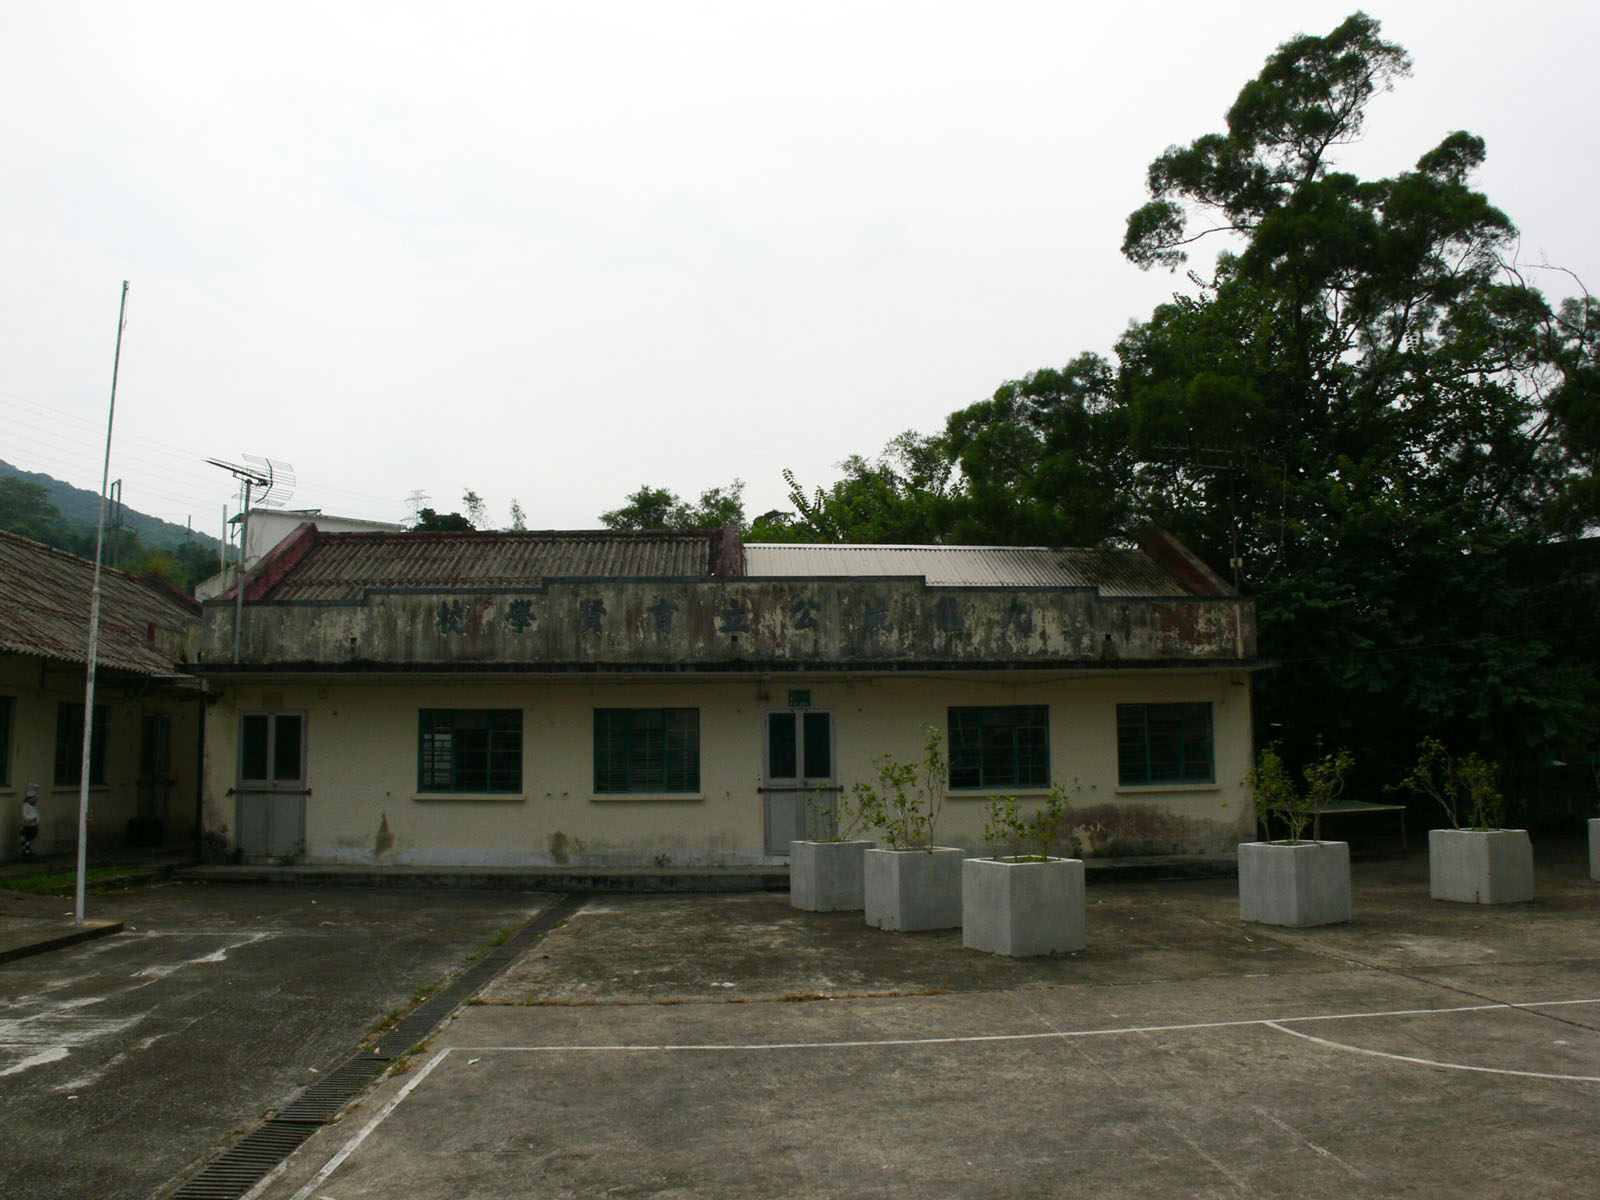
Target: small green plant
[
  {"x": 1003, "y": 828},
  {"x": 1275, "y": 795},
  {"x": 1278, "y": 798},
  {"x": 835, "y": 816},
  {"x": 1046, "y": 824},
  {"x": 1467, "y": 788},
  {"x": 905, "y": 799}
]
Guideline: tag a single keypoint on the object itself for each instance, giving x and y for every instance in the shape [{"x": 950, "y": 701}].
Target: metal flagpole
[{"x": 94, "y": 628}]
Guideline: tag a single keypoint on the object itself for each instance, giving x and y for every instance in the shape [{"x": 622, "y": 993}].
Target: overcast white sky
[{"x": 555, "y": 251}]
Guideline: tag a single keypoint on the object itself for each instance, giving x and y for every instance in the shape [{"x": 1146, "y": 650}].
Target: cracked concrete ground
[
  {"x": 127, "y": 1061},
  {"x": 731, "y": 1047}
]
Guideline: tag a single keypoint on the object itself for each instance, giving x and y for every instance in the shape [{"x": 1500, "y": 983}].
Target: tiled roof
[
  {"x": 44, "y": 610},
  {"x": 342, "y": 566},
  {"x": 317, "y": 566},
  {"x": 1111, "y": 572}
]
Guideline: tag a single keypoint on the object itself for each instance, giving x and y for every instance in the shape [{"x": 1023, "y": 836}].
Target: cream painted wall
[
  {"x": 361, "y": 748},
  {"x": 36, "y": 689}
]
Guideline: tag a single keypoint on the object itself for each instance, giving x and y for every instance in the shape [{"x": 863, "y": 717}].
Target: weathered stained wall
[
  {"x": 732, "y": 624},
  {"x": 362, "y": 746},
  {"x": 37, "y": 687}
]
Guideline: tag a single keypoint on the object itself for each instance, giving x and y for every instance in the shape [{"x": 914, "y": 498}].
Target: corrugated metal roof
[
  {"x": 1112, "y": 572},
  {"x": 341, "y": 566},
  {"x": 44, "y": 610}
]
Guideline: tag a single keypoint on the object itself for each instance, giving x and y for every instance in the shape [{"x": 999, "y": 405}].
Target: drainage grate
[
  {"x": 242, "y": 1165},
  {"x": 245, "y": 1163},
  {"x": 322, "y": 1101}
]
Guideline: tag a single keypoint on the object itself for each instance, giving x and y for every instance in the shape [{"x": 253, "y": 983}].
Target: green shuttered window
[
  {"x": 1000, "y": 747},
  {"x": 470, "y": 750},
  {"x": 1164, "y": 743},
  {"x": 646, "y": 750},
  {"x": 69, "y": 744}
]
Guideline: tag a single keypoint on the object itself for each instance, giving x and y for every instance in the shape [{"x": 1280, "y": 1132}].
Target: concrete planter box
[
  {"x": 1307, "y": 883},
  {"x": 1480, "y": 866},
  {"x": 826, "y": 876},
  {"x": 1594, "y": 849},
  {"x": 913, "y": 889},
  {"x": 1021, "y": 909}
]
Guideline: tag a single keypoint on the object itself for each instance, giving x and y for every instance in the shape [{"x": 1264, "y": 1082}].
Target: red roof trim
[
  {"x": 279, "y": 561},
  {"x": 1173, "y": 557}
]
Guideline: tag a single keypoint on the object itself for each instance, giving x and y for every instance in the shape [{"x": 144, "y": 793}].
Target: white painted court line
[
  {"x": 1430, "y": 1062},
  {"x": 1046, "y": 1035},
  {"x": 366, "y": 1130},
  {"x": 1279, "y": 1024}
]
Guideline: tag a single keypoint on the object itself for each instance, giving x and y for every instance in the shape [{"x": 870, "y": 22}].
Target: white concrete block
[
  {"x": 1021, "y": 909},
  {"x": 1480, "y": 866},
  {"x": 1307, "y": 883},
  {"x": 827, "y": 876},
  {"x": 913, "y": 889}
]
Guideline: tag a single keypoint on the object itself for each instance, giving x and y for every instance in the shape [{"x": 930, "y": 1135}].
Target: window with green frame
[
  {"x": 993, "y": 747},
  {"x": 469, "y": 750},
  {"x": 69, "y": 745},
  {"x": 646, "y": 750},
  {"x": 1164, "y": 743},
  {"x": 5, "y": 740}
]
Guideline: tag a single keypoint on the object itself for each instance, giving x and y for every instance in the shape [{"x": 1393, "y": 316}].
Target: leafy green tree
[
  {"x": 905, "y": 496},
  {"x": 658, "y": 508},
  {"x": 429, "y": 521},
  {"x": 1362, "y": 406},
  {"x": 26, "y": 510},
  {"x": 1045, "y": 461}
]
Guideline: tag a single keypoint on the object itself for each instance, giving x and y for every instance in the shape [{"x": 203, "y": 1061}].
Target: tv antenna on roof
[
  {"x": 274, "y": 478},
  {"x": 276, "y": 481}
]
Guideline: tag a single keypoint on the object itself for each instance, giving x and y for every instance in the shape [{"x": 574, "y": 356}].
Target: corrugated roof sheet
[
  {"x": 1112, "y": 572},
  {"x": 44, "y": 610},
  {"x": 341, "y": 566}
]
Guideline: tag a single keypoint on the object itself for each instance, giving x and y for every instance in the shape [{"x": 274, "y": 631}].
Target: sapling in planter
[
  {"x": 1467, "y": 788},
  {"x": 1292, "y": 880},
  {"x": 905, "y": 800},
  {"x": 1594, "y": 823},
  {"x": 1476, "y": 860},
  {"x": 913, "y": 884},
  {"x": 1277, "y": 799},
  {"x": 834, "y": 815},
  {"x": 825, "y": 872},
  {"x": 1023, "y": 904},
  {"x": 1005, "y": 828}
]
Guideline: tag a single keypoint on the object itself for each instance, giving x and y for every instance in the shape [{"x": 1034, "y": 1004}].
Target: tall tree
[
  {"x": 429, "y": 521},
  {"x": 25, "y": 509},
  {"x": 1363, "y": 404},
  {"x": 1045, "y": 461},
  {"x": 1360, "y": 405},
  {"x": 658, "y": 508},
  {"x": 904, "y": 496}
]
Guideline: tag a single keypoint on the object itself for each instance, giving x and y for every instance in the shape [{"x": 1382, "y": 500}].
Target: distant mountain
[{"x": 80, "y": 508}]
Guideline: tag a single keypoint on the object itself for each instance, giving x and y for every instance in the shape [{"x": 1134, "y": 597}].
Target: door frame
[
  {"x": 274, "y": 807},
  {"x": 785, "y": 810}
]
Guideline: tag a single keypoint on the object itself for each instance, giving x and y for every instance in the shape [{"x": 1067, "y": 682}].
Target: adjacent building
[
  {"x": 606, "y": 699},
  {"x": 145, "y": 736}
]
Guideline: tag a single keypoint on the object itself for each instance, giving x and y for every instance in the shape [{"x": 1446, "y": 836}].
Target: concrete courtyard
[{"x": 728, "y": 1046}]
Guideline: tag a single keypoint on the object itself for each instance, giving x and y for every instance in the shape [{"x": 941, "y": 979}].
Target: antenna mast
[{"x": 276, "y": 481}]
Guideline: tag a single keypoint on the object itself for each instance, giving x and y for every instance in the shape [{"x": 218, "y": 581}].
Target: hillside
[{"x": 80, "y": 510}]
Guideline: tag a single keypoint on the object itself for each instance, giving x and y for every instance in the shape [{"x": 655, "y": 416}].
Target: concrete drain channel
[{"x": 249, "y": 1159}]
